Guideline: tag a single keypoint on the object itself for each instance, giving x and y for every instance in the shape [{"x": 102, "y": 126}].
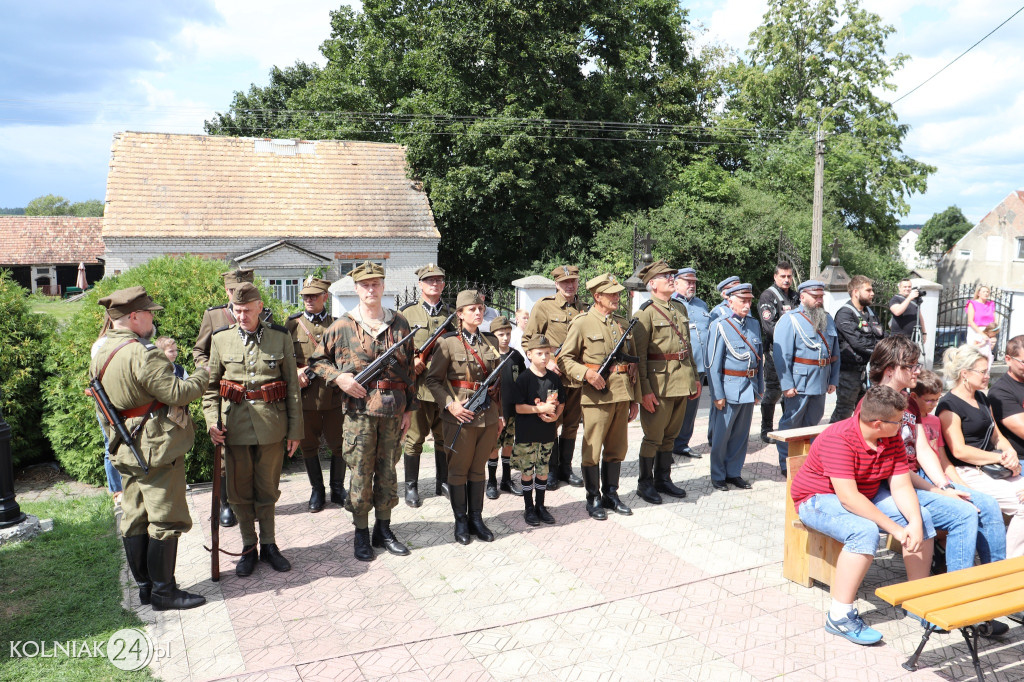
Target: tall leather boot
[
  {"x": 475, "y": 498},
  {"x": 565, "y": 448},
  {"x": 458, "y": 500},
  {"x": 316, "y": 481},
  {"x": 663, "y": 476},
  {"x": 767, "y": 420},
  {"x": 441, "y": 466},
  {"x": 592, "y": 482},
  {"x": 508, "y": 485},
  {"x": 610, "y": 488},
  {"x": 337, "y": 480},
  {"x": 412, "y": 480},
  {"x": 492, "y": 480},
  {"x": 227, "y": 517},
  {"x": 161, "y": 557},
  {"x": 553, "y": 467},
  {"x": 645, "y": 482},
  {"x": 135, "y": 548}
]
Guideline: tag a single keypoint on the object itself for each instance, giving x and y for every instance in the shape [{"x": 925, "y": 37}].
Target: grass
[
  {"x": 60, "y": 309},
  {"x": 64, "y": 586}
]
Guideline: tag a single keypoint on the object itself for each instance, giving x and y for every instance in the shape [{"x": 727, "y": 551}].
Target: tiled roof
[
  {"x": 42, "y": 240},
  {"x": 164, "y": 185}
]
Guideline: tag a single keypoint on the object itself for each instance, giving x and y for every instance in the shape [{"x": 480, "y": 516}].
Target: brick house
[
  {"x": 281, "y": 207},
  {"x": 43, "y": 253},
  {"x": 992, "y": 252}
]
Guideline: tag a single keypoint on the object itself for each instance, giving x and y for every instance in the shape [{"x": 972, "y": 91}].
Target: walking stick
[{"x": 218, "y": 451}]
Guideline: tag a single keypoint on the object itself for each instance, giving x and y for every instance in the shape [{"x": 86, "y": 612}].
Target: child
[
  {"x": 538, "y": 397},
  {"x": 501, "y": 327},
  {"x": 170, "y": 348}
]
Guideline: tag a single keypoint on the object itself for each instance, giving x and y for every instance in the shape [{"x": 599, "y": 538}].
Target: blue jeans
[
  {"x": 990, "y": 540},
  {"x": 826, "y": 514},
  {"x": 113, "y": 476}
]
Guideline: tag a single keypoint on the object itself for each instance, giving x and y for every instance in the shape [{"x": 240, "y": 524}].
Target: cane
[{"x": 218, "y": 452}]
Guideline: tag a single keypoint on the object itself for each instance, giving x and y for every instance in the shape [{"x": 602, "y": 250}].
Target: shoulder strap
[
  {"x": 744, "y": 338},
  {"x": 820, "y": 335},
  {"x": 778, "y": 294},
  {"x": 309, "y": 334},
  {"x": 672, "y": 324},
  {"x": 475, "y": 354},
  {"x": 99, "y": 377}
]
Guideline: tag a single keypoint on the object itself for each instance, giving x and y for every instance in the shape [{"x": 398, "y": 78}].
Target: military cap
[
  {"x": 314, "y": 286},
  {"x": 742, "y": 290},
  {"x": 499, "y": 323},
  {"x": 536, "y": 341},
  {"x": 429, "y": 270},
  {"x": 687, "y": 273},
  {"x": 246, "y": 292},
  {"x": 126, "y": 301},
  {"x": 564, "y": 272},
  {"x": 810, "y": 284},
  {"x": 468, "y": 297},
  {"x": 233, "y": 277},
  {"x": 652, "y": 270},
  {"x": 366, "y": 270},
  {"x": 604, "y": 284},
  {"x": 726, "y": 282}
]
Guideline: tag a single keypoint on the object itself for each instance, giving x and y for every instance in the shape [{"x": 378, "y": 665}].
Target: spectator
[
  {"x": 981, "y": 322},
  {"x": 906, "y": 311},
  {"x": 1007, "y": 396},
  {"x": 170, "y": 348},
  {"x": 859, "y": 331}
]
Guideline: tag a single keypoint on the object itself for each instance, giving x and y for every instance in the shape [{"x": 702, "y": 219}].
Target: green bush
[
  {"x": 185, "y": 287},
  {"x": 24, "y": 344}
]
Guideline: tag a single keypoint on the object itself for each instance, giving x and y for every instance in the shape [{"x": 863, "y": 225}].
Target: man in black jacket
[
  {"x": 772, "y": 304},
  {"x": 859, "y": 331}
]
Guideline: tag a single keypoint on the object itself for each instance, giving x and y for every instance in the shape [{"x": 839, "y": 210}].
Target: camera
[{"x": 920, "y": 293}]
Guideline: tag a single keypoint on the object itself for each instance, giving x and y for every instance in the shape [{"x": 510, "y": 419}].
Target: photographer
[{"x": 906, "y": 311}]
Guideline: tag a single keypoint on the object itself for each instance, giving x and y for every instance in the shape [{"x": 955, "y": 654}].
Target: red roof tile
[{"x": 45, "y": 240}]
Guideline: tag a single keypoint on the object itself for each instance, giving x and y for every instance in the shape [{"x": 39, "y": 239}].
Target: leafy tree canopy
[
  {"x": 52, "y": 204},
  {"x": 941, "y": 231}
]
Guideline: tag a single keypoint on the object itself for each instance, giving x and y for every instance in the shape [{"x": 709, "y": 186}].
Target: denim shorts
[{"x": 826, "y": 514}]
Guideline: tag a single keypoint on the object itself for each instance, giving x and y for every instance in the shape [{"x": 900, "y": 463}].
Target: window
[
  {"x": 285, "y": 290},
  {"x": 1020, "y": 248},
  {"x": 345, "y": 266}
]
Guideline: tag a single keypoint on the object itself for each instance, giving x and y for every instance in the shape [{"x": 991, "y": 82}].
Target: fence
[
  {"x": 951, "y": 325},
  {"x": 884, "y": 291},
  {"x": 502, "y": 299}
]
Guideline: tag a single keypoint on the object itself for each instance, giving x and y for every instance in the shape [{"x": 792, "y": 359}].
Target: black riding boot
[
  {"x": 663, "y": 476},
  {"x": 565, "y": 449},
  {"x": 592, "y": 482},
  {"x": 441, "y": 465},
  {"x": 475, "y": 498},
  {"x": 767, "y": 420},
  {"x": 645, "y": 482},
  {"x": 135, "y": 548},
  {"x": 508, "y": 485},
  {"x": 316, "y": 481},
  {"x": 337, "y": 482},
  {"x": 227, "y": 517},
  {"x": 458, "y": 500},
  {"x": 412, "y": 481},
  {"x": 492, "y": 479},
  {"x": 161, "y": 557},
  {"x": 610, "y": 488}
]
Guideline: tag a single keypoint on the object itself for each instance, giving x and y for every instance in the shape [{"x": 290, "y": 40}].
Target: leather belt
[
  {"x": 667, "y": 356},
  {"x": 821, "y": 362},
  {"x": 272, "y": 392},
  {"x": 750, "y": 373},
  {"x": 141, "y": 410},
  {"x": 616, "y": 369},
  {"x": 389, "y": 385},
  {"x": 468, "y": 385}
]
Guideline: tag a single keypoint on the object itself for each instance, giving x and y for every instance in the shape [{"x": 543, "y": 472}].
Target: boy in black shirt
[
  {"x": 501, "y": 327},
  {"x": 538, "y": 397}
]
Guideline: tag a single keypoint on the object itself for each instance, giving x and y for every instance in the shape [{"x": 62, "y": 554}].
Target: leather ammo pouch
[
  {"x": 275, "y": 391},
  {"x": 272, "y": 392},
  {"x": 232, "y": 391}
]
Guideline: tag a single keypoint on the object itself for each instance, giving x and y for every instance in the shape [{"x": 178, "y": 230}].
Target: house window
[
  {"x": 1020, "y": 248},
  {"x": 285, "y": 290},
  {"x": 345, "y": 266},
  {"x": 963, "y": 254}
]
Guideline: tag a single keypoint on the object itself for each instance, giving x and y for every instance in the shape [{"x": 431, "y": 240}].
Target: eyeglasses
[
  {"x": 982, "y": 372},
  {"x": 884, "y": 421},
  {"x": 912, "y": 368},
  {"x": 1010, "y": 357}
]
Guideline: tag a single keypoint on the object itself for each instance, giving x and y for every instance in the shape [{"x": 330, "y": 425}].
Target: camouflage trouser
[
  {"x": 507, "y": 437},
  {"x": 531, "y": 458},
  {"x": 371, "y": 451}
]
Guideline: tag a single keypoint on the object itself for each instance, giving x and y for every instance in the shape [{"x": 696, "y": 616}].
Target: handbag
[{"x": 994, "y": 471}]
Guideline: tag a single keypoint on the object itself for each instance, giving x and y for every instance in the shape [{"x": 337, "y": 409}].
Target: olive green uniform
[
  {"x": 214, "y": 318},
  {"x": 323, "y": 411},
  {"x": 256, "y": 430}
]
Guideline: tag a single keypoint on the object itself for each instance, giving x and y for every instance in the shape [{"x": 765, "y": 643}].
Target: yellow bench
[{"x": 961, "y": 599}]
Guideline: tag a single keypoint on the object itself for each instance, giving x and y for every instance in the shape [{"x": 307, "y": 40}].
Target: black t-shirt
[
  {"x": 1007, "y": 398},
  {"x": 974, "y": 422},
  {"x": 904, "y": 324},
  {"x": 509, "y": 373},
  {"x": 530, "y": 428}
]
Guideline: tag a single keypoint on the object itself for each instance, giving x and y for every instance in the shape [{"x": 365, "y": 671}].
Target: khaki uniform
[
  {"x": 152, "y": 503},
  {"x": 323, "y": 410},
  {"x": 590, "y": 339},
  {"x": 214, "y": 318},
  {"x": 256, "y": 430},
  {"x": 667, "y": 370},
  {"x": 427, "y": 418}
]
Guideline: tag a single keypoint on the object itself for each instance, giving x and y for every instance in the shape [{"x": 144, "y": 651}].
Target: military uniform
[
  {"x": 699, "y": 315},
  {"x": 590, "y": 339},
  {"x": 507, "y": 435},
  {"x": 720, "y": 310},
  {"x": 551, "y": 316},
  {"x": 736, "y": 369},
  {"x": 667, "y": 371},
  {"x": 807, "y": 361},
  {"x": 254, "y": 391},
  {"x": 140, "y": 381},
  {"x": 771, "y": 306},
  {"x": 323, "y": 413}
]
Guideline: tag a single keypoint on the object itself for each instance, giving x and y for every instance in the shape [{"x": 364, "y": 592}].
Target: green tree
[
  {"x": 52, "y": 204},
  {"x": 93, "y": 208},
  {"x": 941, "y": 231},
  {"x": 263, "y": 110}
]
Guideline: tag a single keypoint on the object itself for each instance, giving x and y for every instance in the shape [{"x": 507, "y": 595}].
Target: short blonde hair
[
  {"x": 165, "y": 342},
  {"x": 956, "y": 360}
]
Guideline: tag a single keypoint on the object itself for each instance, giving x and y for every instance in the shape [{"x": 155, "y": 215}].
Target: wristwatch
[{"x": 948, "y": 486}]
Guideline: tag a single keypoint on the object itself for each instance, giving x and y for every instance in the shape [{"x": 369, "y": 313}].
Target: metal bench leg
[
  {"x": 911, "y": 663},
  {"x": 971, "y": 632}
]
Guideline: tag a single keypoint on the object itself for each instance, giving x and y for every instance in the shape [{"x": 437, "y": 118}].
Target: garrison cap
[
  {"x": 536, "y": 341},
  {"x": 686, "y": 272},
  {"x": 234, "y": 277},
  {"x": 468, "y": 297},
  {"x": 246, "y": 292},
  {"x": 366, "y": 270},
  {"x": 721, "y": 286},
  {"x": 564, "y": 272},
  {"x": 314, "y": 286},
  {"x": 499, "y": 323},
  {"x": 123, "y": 302},
  {"x": 742, "y": 290},
  {"x": 652, "y": 270},
  {"x": 429, "y": 270},
  {"x": 810, "y": 284},
  {"x": 604, "y": 284}
]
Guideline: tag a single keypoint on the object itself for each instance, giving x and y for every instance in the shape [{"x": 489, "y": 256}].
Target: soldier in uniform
[
  {"x": 428, "y": 312},
  {"x": 460, "y": 362},
  {"x": 668, "y": 380},
  {"x": 254, "y": 390},
  {"x": 772, "y": 304},
  {"x": 736, "y": 368},
  {"x": 323, "y": 412},
  {"x": 501, "y": 327},
  {"x": 720, "y": 309},
  {"x": 806, "y": 355},
  {"x": 140, "y": 382},
  {"x": 699, "y": 316},
  {"x": 378, "y": 414},
  {"x": 606, "y": 413},
  {"x": 551, "y": 316}
]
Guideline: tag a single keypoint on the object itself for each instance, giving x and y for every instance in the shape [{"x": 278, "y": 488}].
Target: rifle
[
  {"x": 383, "y": 361},
  {"x": 480, "y": 400},
  {"x": 114, "y": 419},
  {"x": 428, "y": 345},
  {"x": 617, "y": 355},
  {"x": 218, "y": 453}
]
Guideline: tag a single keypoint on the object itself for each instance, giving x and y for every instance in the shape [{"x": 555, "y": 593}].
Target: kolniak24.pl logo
[{"x": 127, "y": 649}]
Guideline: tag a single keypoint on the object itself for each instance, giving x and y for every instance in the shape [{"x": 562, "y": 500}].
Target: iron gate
[
  {"x": 951, "y": 325},
  {"x": 502, "y": 299}
]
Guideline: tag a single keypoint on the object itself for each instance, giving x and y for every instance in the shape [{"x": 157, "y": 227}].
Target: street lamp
[{"x": 819, "y": 192}]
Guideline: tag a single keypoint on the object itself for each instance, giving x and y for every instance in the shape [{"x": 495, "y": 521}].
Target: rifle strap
[
  {"x": 103, "y": 369},
  {"x": 309, "y": 334},
  {"x": 480, "y": 362},
  {"x": 682, "y": 340}
]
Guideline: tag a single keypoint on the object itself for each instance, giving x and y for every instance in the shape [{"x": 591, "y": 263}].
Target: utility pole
[{"x": 819, "y": 200}]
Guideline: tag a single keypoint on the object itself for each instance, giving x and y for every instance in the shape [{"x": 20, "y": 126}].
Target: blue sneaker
[
  {"x": 853, "y": 629},
  {"x": 929, "y": 626}
]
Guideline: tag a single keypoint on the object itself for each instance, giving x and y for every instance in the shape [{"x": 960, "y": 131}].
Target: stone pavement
[{"x": 688, "y": 590}]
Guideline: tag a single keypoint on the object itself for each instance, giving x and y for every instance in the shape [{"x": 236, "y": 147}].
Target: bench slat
[
  {"x": 901, "y": 592},
  {"x": 978, "y": 611},
  {"x": 965, "y": 594},
  {"x": 803, "y": 433}
]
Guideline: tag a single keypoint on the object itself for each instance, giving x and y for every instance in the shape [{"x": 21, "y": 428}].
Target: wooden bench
[{"x": 962, "y": 599}]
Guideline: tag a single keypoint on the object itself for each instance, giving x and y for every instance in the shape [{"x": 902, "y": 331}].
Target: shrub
[
  {"x": 24, "y": 345},
  {"x": 185, "y": 287}
]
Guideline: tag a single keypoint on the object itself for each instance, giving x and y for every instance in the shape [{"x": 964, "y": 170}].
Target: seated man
[{"x": 854, "y": 482}]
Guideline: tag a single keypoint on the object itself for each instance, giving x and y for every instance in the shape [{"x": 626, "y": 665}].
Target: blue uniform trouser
[
  {"x": 729, "y": 451},
  {"x": 689, "y": 419},
  {"x": 798, "y": 412},
  {"x": 714, "y": 416}
]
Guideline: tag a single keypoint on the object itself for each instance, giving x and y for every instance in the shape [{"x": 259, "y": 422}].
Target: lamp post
[
  {"x": 819, "y": 193},
  {"x": 10, "y": 512}
]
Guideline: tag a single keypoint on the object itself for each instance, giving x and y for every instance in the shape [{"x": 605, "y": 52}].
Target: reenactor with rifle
[
  {"x": 600, "y": 353},
  {"x": 323, "y": 412},
  {"x": 134, "y": 377},
  {"x": 367, "y": 353}
]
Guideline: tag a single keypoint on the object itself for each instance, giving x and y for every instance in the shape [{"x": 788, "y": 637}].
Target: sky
[{"x": 74, "y": 74}]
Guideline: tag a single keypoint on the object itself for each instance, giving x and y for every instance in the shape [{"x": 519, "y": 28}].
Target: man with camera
[{"x": 906, "y": 311}]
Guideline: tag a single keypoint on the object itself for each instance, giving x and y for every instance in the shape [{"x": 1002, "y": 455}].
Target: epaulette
[
  {"x": 147, "y": 344},
  {"x": 407, "y": 305},
  {"x": 279, "y": 328},
  {"x": 217, "y": 307},
  {"x": 646, "y": 304},
  {"x": 220, "y": 329},
  {"x": 298, "y": 314},
  {"x": 445, "y": 336}
]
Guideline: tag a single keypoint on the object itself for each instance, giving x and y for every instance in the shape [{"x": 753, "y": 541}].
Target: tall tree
[
  {"x": 263, "y": 110},
  {"x": 52, "y": 204},
  {"x": 941, "y": 231}
]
